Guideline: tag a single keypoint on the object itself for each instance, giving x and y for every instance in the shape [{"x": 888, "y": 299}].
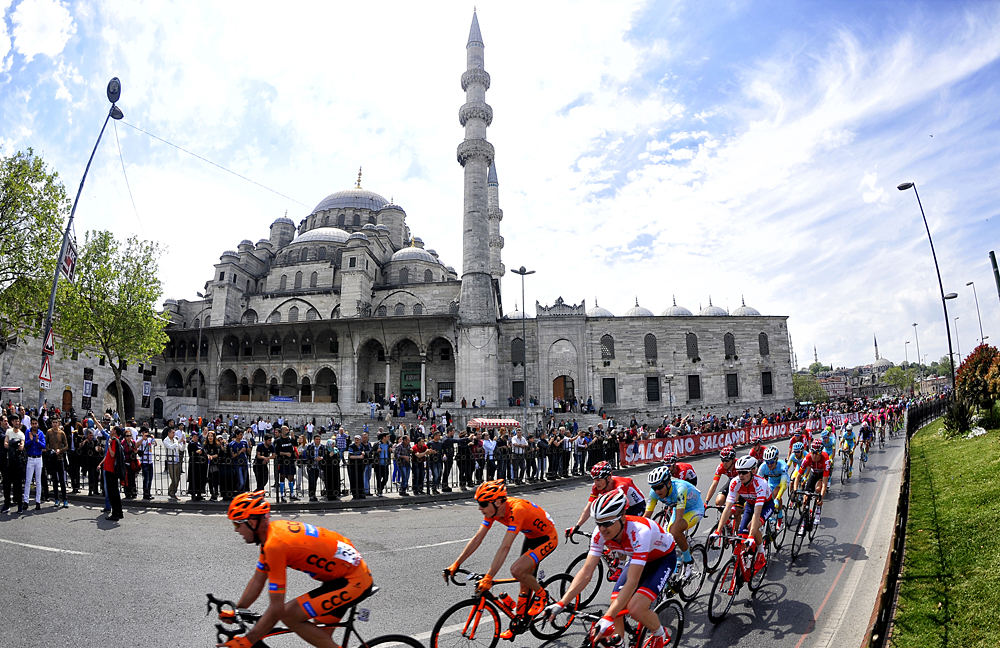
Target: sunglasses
[
  {"x": 237, "y": 523},
  {"x": 483, "y": 504},
  {"x": 660, "y": 486},
  {"x": 745, "y": 472},
  {"x": 605, "y": 525}
]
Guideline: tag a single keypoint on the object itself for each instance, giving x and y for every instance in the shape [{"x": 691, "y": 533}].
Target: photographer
[{"x": 13, "y": 444}]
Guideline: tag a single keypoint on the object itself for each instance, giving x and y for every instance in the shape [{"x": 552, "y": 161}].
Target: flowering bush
[{"x": 978, "y": 377}]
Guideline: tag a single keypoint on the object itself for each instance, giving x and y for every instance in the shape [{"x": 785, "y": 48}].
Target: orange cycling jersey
[
  {"x": 319, "y": 553},
  {"x": 524, "y": 517}
]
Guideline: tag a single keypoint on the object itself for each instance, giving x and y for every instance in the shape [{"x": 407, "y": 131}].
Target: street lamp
[
  {"x": 906, "y": 353},
  {"x": 920, "y": 369},
  {"x": 947, "y": 327},
  {"x": 957, "y": 342},
  {"x": 114, "y": 92},
  {"x": 197, "y": 388},
  {"x": 978, "y": 314},
  {"x": 524, "y": 341}
]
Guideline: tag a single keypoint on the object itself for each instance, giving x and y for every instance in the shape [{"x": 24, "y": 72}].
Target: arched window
[
  {"x": 298, "y": 280},
  {"x": 326, "y": 221},
  {"x": 692, "y": 345},
  {"x": 293, "y": 314},
  {"x": 729, "y": 342},
  {"x": 312, "y": 314},
  {"x": 517, "y": 351},
  {"x": 304, "y": 255},
  {"x": 607, "y": 347},
  {"x": 274, "y": 318},
  {"x": 357, "y": 220},
  {"x": 283, "y": 283},
  {"x": 248, "y": 285},
  {"x": 765, "y": 348},
  {"x": 400, "y": 309},
  {"x": 340, "y": 220},
  {"x": 428, "y": 276},
  {"x": 197, "y": 323},
  {"x": 314, "y": 280},
  {"x": 250, "y": 317},
  {"x": 321, "y": 254},
  {"x": 371, "y": 219},
  {"x": 380, "y": 311},
  {"x": 418, "y": 309},
  {"x": 453, "y": 308},
  {"x": 649, "y": 345},
  {"x": 336, "y": 312},
  {"x": 207, "y": 322},
  {"x": 404, "y": 276}
]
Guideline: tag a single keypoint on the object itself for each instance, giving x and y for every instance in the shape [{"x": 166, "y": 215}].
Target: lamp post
[
  {"x": 114, "y": 91},
  {"x": 978, "y": 314},
  {"x": 906, "y": 351},
  {"x": 947, "y": 327},
  {"x": 524, "y": 341},
  {"x": 197, "y": 387},
  {"x": 920, "y": 369},
  {"x": 957, "y": 342}
]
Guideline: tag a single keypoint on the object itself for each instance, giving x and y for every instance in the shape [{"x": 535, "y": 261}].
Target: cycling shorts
[
  {"x": 539, "y": 547},
  {"x": 765, "y": 512},
  {"x": 691, "y": 517},
  {"x": 638, "y": 510},
  {"x": 693, "y": 481},
  {"x": 778, "y": 487},
  {"x": 814, "y": 479},
  {"x": 330, "y": 601},
  {"x": 655, "y": 575},
  {"x": 849, "y": 443}
]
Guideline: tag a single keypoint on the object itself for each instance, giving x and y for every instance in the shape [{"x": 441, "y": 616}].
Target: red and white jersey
[
  {"x": 757, "y": 491},
  {"x": 823, "y": 465},
  {"x": 684, "y": 471},
  {"x": 625, "y": 485},
  {"x": 721, "y": 470},
  {"x": 643, "y": 540}
]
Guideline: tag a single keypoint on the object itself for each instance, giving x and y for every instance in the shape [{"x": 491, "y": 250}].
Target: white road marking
[
  {"x": 423, "y": 636},
  {"x": 426, "y": 546},
  {"x": 52, "y": 549}
]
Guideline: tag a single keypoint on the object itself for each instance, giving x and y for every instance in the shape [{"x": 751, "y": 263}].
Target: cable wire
[
  {"x": 126, "y": 179},
  {"x": 214, "y": 164}
]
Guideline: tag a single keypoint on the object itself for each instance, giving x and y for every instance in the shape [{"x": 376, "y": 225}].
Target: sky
[{"x": 645, "y": 150}]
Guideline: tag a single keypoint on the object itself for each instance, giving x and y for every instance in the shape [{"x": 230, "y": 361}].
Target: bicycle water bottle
[{"x": 506, "y": 601}]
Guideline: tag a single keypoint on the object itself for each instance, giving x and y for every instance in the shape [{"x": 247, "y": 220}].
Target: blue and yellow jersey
[{"x": 682, "y": 495}]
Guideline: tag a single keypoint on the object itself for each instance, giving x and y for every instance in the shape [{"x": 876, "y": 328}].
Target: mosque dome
[
  {"x": 230, "y": 253},
  {"x": 357, "y": 198},
  {"x": 638, "y": 311},
  {"x": 358, "y": 236},
  {"x": 246, "y": 242},
  {"x": 451, "y": 269},
  {"x": 369, "y": 226},
  {"x": 382, "y": 228},
  {"x": 324, "y": 235},
  {"x": 712, "y": 311},
  {"x": 677, "y": 311},
  {"x": 882, "y": 363},
  {"x": 516, "y": 315},
  {"x": 392, "y": 206},
  {"x": 170, "y": 301},
  {"x": 745, "y": 311},
  {"x": 413, "y": 254},
  {"x": 597, "y": 311}
]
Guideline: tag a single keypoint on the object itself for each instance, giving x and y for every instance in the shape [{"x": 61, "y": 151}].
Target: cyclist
[
  {"x": 606, "y": 482},
  {"x": 752, "y": 489},
  {"x": 517, "y": 516},
  {"x": 681, "y": 470},
  {"x": 829, "y": 438},
  {"x": 727, "y": 467},
  {"x": 652, "y": 559},
  {"x": 775, "y": 471},
  {"x": 816, "y": 467},
  {"x": 322, "y": 554},
  {"x": 794, "y": 460},
  {"x": 681, "y": 496},
  {"x": 757, "y": 451},
  {"x": 847, "y": 442},
  {"x": 800, "y": 436},
  {"x": 865, "y": 437}
]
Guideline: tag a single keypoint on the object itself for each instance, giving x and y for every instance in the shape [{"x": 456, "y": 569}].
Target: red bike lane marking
[{"x": 812, "y": 624}]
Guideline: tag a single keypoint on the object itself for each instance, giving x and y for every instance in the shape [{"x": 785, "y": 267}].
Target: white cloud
[
  {"x": 41, "y": 27},
  {"x": 5, "y": 42},
  {"x": 873, "y": 193}
]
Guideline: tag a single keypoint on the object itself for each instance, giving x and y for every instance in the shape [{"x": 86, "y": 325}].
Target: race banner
[{"x": 641, "y": 451}]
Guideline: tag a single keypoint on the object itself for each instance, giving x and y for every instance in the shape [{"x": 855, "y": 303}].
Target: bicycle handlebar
[
  {"x": 577, "y": 533},
  {"x": 469, "y": 576},
  {"x": 240, "y": 618}
]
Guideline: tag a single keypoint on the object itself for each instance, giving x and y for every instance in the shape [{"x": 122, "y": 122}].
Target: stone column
[
  {"x": 386, "y": 394},
  {"x": 423, "y": 377}
]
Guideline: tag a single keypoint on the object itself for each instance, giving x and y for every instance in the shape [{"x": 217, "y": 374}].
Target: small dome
[
  {"x": 413, "y": 254},
  {"x": 712, "y": 311},
  {"x": 597, "y": 311},
  {"x": 246, "y": 242},
  {"x": 265, "y": 243},
  {"x": 170, "y": 301},
  {"x": 323, "y": 234},
  {"x": 451, "y": 270},
  {"x": 382, "y": 228},
  {"x": 745, "y": 311},
  {"x": 516, "y": 315},
  {"x": 882, "y": 363},
  {"x": 357, "y": 198},
  {"x": 231, "y": 253},
  {"x": 677, "y": 311},
  {"x": 368, "y": 226},
  {"x": 638, "y": 311},
  {"x": 284, "y": 220},
  {"x": 357, "y": 236},
  {"x": 392, "y": 206}
]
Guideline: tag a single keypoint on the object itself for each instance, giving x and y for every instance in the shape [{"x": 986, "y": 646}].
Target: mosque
[{"x": 322, "y": 318}]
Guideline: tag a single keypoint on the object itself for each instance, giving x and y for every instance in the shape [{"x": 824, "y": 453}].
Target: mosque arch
[
  {"x": 762, "y": 343},
  {"x": 607, "y": 347},
  {"x": 228, "y": 386}
]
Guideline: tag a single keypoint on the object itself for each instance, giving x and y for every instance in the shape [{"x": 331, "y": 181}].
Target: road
[{"x": 71, "y": 576}]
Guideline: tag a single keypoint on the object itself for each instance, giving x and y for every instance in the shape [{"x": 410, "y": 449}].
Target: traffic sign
[
  {"x": 69, "y": 261},
  {"x": 49, "y": 347},
  {"x": 44, "y": 384},
  {"x": 45, "y": 375}
]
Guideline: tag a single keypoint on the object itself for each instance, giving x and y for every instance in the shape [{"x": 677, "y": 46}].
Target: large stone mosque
[{"x": 322, "y": 318}]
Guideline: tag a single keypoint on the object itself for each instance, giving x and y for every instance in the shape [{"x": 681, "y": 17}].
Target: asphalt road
[{"x": 69, "y": 576}]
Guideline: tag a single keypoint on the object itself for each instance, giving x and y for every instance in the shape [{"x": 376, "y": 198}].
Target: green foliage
[
  {"x": 972, "y": 382},
  {"x": 33, "y": 206},
  {"x": 817, "y": 367},
  {"x": 111, "y": 305},
  {"x": 943, "y": 367},
  {"x": 958, "y": 417},
  {"x": 901, "y": 379},
  {"x": 806, "y": 388}
]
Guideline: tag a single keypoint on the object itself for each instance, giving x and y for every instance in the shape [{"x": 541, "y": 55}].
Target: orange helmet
[
  {"x": 491, "y": 490},
  {"x": 247, "y": 505}
]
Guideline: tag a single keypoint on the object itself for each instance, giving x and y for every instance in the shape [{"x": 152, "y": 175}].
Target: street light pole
[
  {"x": 524, "y": 341},
  {"x": 978, "y": 314},
  {"x": 114, "y": 91},
  {"x": 957, "y": 342},
  {"x": 920, "y": 368},
  {"x": 906, "y": 351},
  {"x": 944, "y": 303}
]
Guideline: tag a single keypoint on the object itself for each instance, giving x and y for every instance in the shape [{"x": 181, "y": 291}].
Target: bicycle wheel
[
  {"x": 464, "y": 625},
  {"x": 547, "y": 631},
  {"x": 757, "y": 578},
  {"x": 689, "y": 589},
  {"x": 671, "y": 616},
  {"x": 843, "y": 471},
  {"x": 800, "y": 534},
  {"x": 724, "y": 590},
  {"x": 391, "y": 640},
  {"x": 713, "y": 554},
  {"x": 813, "y": 527},
  {"x": 589, "y": 592},
  {"x": 778, "y": 538}
]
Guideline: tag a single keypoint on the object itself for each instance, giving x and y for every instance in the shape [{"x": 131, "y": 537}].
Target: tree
[
  {"x": 806, "y": 388},
  {"x": 943, "y": 366},
  {"x": 33, "y": 205},
  {"x": 817, "y": 367},
  {"x": 901, "y": 379},
  {"x": 972, "y": 382},
  {"x": 110, "y": 307}
]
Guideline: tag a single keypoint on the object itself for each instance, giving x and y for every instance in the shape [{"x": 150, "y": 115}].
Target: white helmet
[
  {"x": 771, "y": 454},
  {"x": 609, "y": 506},
  {"x": 658, "y": 475},
  {"x": 746, "y": 463}
]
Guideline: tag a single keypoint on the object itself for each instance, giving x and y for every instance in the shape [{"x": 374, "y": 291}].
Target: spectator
[
  {"x": 213, "y": 449},
  {"x": 383, "y": 456},
  {"x": 355, "y": 468},
  {"x": 315, "y": 458},
  {"x": 111, "y": 487},
  {"x": 75, "y": 460},
  {"x": 402, "y": 455},
  {"x": 418, "y": 457},
  {"x": 58, "y": 447},
  {"x": 448, "y": 448},
  {"x": 265, "y": 453},
  {"x": 173, "y": 460},
  {"x": 284, "y": 449},
  {"x": 89, "y": 453},
  {"x": 34, "y": 444},
  {"x": 435, "y": 451},
  {"x": 518, "y": 447},
  {"x": 197, "y": 468},
  {"x": 366, "y": 448},
  {"x": 13, "y": 443},
  {"x": 331, "y": 470},
  {"x": 146, "y": 447},
  {"x": 241, "y": 452},
  {"x": 489, "y": 446},
  {"x": 301, "y": 467}
]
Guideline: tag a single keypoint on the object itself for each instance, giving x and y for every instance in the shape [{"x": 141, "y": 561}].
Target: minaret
[
  {"x": 476, "y": 359},
  {"x": 815, "y": 354},
  {"x": 495, "y": 215},
  {"x": 876, "y": 348}
]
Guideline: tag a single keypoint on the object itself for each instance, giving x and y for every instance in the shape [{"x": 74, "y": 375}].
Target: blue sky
[{"x": 732, "y": 150}]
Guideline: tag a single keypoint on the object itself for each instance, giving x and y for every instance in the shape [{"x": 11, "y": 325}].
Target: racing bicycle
[
  {"x": 736, "y": 572},
  {"x": 669, "y": 612},
  {"x": 805, "y": 526}
]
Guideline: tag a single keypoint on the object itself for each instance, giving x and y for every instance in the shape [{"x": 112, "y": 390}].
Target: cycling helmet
[
  {"x": 491, "y": 491},
  {"x": 848, "y": 427},
  {"x": 746, "y": 463},
  {"x": 829, "y": 421},
  {"x": 771, "y": 454},
  {"x": 817, "y": 445},
  {"x": 670, "y": 458},
  {"x": 609, "y": 506},
  {"x": 798, "y": 447},
  {"x": 249, "y": 505},
  {"x": 659, "y": 475},
  {"x": 601, "y": 470},
  {"x": 727, "y": 453}
]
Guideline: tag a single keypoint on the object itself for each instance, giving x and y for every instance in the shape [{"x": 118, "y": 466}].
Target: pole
[
  {"x": 524, "y": 361},
  {"x": 978, "y": 314},
  {"x": 920, "y": 368},
  {"x": 996, "y": 271},
  {"x": 957, "y": 342},
  {"x": 906, "y": 351},
  {"x": 62, "y": 250}
]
